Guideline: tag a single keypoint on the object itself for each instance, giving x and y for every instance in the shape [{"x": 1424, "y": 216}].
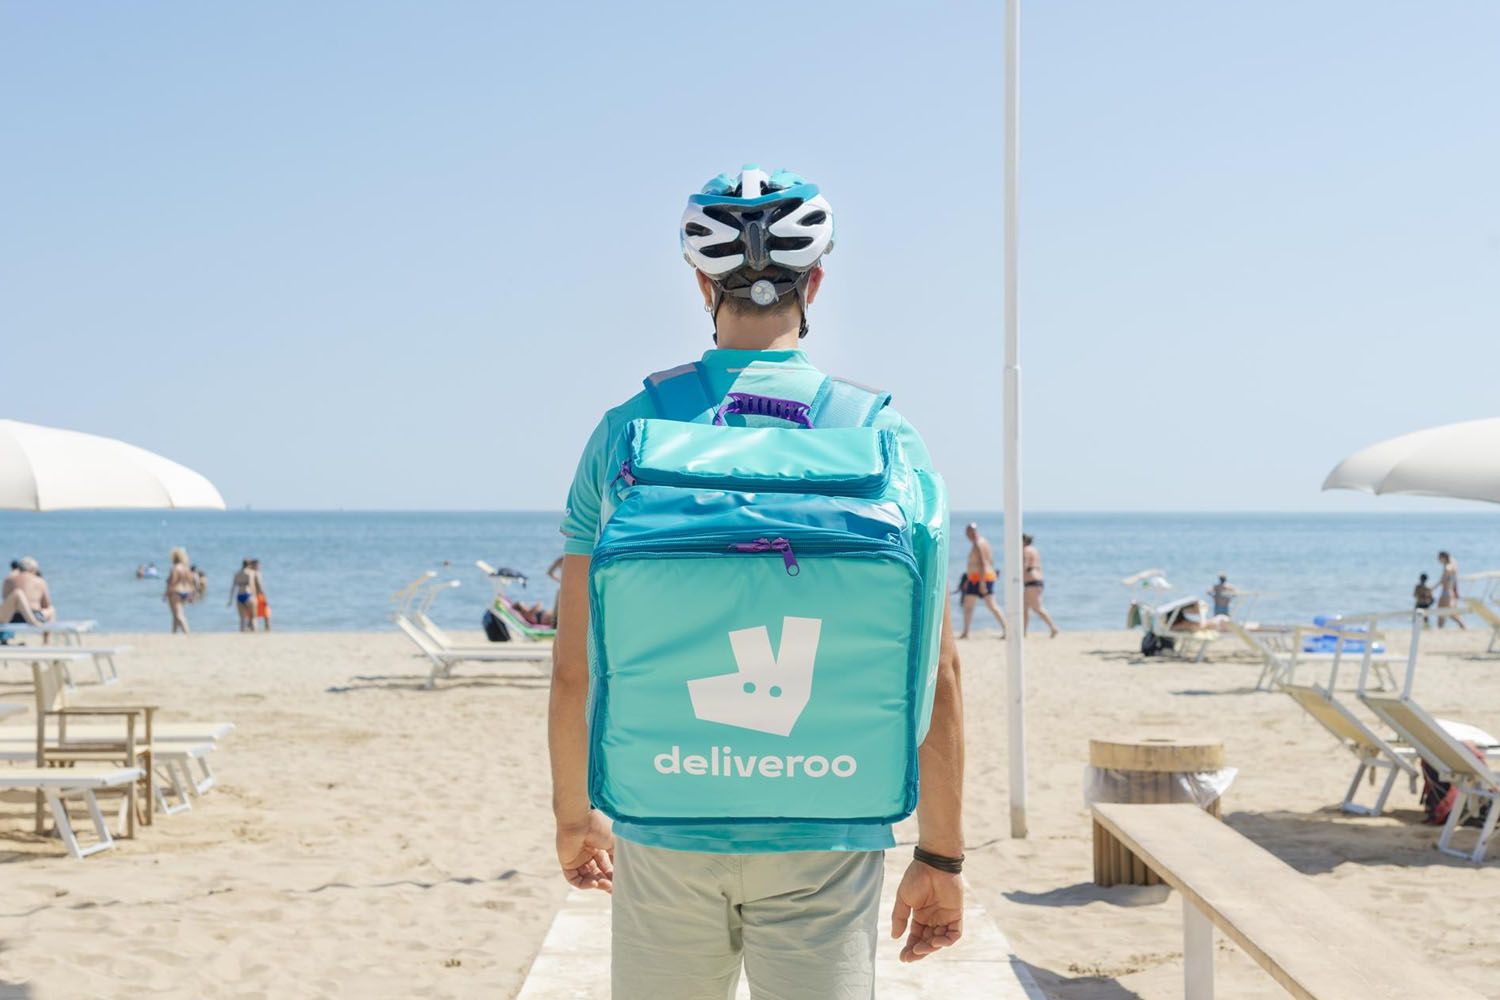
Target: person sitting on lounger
[
  {"x": 17, "y": 610},
  {"x": 535, "y": 614},
  {"x": 26, "y": 579}
]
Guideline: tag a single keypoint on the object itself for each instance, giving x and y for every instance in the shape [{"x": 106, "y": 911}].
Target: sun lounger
[
  {"x": 1167, "y": 627},
  {"x": 174, "y": 764},
  {"x": 103, "y": 658},
  {"x": 444, "y": 641},
  {"x": 1373, "y": 752},
  {"x": 55, "y": 784},
  {"x": 1442, "y": 744},
  {"x": 64, "y": 732},
  {"x": 1281, "y": 652},
  {"x": 443, "y": 661},
  {"x": 518, "y": 625},
  {"x": 1486, "y": 612},
  {"x": 68, "y": 631},
  {"x": 504, "y": 608},
  {"x": 1454, "y": 762},
  {"x": 186, "y": 744}
]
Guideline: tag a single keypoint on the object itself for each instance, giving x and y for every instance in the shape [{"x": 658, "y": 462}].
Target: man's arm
[
  {"x": 931, "y": 900},
  {"x": 585, "y": 846}
]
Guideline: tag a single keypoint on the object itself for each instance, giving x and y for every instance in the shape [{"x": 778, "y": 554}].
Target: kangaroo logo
[{"x": 767, "y": 693}]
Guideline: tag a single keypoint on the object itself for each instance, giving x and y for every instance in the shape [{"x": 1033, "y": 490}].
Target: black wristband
[{"x": 952, "y": 866}]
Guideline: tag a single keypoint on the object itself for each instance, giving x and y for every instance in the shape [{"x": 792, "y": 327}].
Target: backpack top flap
[
  {"x": 844, "y": 461},
  {"x": 683, "y": 393}
]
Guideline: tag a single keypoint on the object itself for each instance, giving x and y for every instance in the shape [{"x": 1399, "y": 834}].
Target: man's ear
[
  {"x": 706, "y": 287},
  {"x": 814, "y": 282}
]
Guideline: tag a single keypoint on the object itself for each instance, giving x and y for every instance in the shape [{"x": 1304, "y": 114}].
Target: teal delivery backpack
[{"x": 767, "y": 602}]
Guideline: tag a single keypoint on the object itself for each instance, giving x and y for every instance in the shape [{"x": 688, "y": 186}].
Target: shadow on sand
[
  {"x": 13, "y": 991},
  {"x": 1092, "y": 987},
  {"x": 418, "y": 682},
  {"x": 1314, "y": 843}
]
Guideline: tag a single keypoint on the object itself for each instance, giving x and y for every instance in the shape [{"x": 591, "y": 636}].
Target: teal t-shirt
[{"x": 582, "y": 522}]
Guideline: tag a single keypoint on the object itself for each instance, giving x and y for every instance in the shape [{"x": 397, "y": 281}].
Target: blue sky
[{"x": 402, "y": 255}]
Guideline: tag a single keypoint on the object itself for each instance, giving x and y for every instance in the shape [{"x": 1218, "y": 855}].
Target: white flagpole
[{"x": 1016, "y": 683}]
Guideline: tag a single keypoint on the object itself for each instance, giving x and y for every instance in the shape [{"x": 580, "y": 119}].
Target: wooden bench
[{"x": 1315, "y": 947}]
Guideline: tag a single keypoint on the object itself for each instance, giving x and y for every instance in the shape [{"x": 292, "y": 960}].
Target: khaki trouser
[{"x": 803, "y": 923}]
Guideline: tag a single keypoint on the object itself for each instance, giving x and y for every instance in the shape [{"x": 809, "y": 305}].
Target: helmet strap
[
  {"x": 799, "y": 286},
  {"x": 713, "y": 309},
  {"x": 802, "y": 302}
]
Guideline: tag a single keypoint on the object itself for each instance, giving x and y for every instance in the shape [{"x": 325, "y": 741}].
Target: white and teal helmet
[{"x": 757, "y": 236}]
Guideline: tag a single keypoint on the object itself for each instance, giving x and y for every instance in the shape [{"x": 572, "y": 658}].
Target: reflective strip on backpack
[{"x": 680, "y": 393}]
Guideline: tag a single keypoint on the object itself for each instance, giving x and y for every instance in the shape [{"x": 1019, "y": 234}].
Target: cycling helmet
[{"x": 757, "y": 236}]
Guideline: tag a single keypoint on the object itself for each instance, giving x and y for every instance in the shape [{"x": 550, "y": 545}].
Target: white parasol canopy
[
  {"x": 47, "y": 468},
  {"x": 1459, "y": 460}
]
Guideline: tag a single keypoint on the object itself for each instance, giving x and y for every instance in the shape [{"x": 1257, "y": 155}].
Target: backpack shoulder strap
[
  {"x": 845, "y": 403},
  {"x": 680, "y": 393}
]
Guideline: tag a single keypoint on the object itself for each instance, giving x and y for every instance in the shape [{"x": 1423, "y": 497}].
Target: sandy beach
[{"x": 372, "y": 839}]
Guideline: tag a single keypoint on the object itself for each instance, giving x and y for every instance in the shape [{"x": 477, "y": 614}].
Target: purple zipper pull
[
  {"x": 759, "y": 545},
  {"x": 624, "y": 474},
  {"x": 788, "y": 558}
]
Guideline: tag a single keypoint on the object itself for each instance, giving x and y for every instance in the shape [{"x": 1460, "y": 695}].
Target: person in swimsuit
[
  {"x": 1448, "y": 589},
  {"x": 182, "y": 587},
  {"x": 16, "y": 609},
  {"x": 27, "y": 579},
  {"x": 1422, "y": 594},
  {"x": 1031, "y": 575},
  {"x": 978, "y": 581},
  {"x": 1222, "y": 592},
  {"x": 242, "y": 595},
  {"x": 262, "y": 605}
]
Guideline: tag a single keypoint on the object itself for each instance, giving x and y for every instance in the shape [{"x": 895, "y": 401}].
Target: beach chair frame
[
  {"x": 1373, "y": 752},
  {"x": 1451, "y": 759}
]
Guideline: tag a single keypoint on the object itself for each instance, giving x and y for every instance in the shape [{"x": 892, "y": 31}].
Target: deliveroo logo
[{"x": 768, "y": 692}]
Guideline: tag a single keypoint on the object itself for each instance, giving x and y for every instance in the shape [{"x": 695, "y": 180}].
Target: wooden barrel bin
[{"x": 1148, "y": 770}]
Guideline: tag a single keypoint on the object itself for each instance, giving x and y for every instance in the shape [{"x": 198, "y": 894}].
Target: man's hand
[
  {"x": 586, "y": 852},
  {"x": 933, "y": 901}
]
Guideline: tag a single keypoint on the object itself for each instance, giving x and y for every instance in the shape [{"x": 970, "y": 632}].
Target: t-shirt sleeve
[{"x": 580, "y": 523}]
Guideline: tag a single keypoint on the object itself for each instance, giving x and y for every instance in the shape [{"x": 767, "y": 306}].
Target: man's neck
[{"x": 751, "y": 336}]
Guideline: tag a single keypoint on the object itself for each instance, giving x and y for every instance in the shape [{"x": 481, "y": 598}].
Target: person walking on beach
[
  {"x": 1033, "y": 583},
  {"x": 262, "y": 604},
  {"x": 26, "y": 579},
  {"x": 1448, "y": 589},
  {"x": 978, "y": 581},
  {"x": 242, "y": 591},
  {"x": 796, "y": 902},
  {"x": 182, "y": 587},
  {"x": 1222, "y": 592}
]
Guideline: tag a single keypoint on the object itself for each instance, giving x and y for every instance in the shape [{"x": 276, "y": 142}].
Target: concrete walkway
[{"x": 574, "y": 961}]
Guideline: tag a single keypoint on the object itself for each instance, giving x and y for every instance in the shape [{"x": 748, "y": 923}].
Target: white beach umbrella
[
  {"x": 1459, "y": 460},
  {"x": 47, "y": 468}
]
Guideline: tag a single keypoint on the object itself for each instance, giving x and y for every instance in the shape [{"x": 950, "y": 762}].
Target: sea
[{"x": 333, "y": 570}]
